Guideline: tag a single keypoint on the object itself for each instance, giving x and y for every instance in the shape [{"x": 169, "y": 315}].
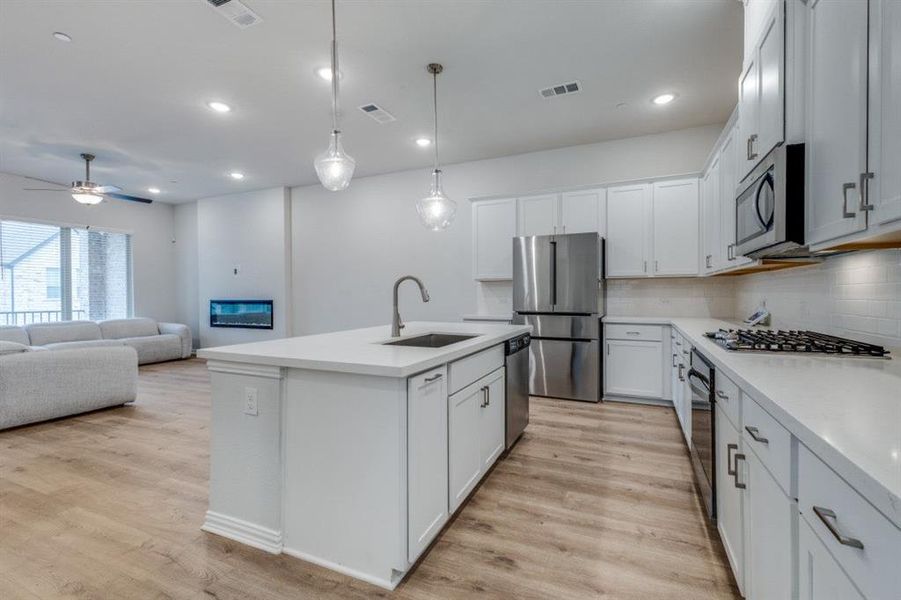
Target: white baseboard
[
  {"x": 388, "y": 584},
  {"x": 637, "y": 400},
  {"x": 243, "y": 531}
]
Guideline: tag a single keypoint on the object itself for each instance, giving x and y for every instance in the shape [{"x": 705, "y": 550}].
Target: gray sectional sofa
[{"x": 51, "y": 370}]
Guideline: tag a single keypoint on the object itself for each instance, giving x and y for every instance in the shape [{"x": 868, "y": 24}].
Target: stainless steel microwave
[{"x": 769, "y": 208}]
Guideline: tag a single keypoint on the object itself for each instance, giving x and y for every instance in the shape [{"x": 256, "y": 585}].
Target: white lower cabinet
[
  {"x": 819, "y": 575},
  {"x": 633, "y": 368},
  {"x": 769, "y": 523},
  {"x": 729, "y": 501},
  {"x": 426, "y": 458},
  {"x": 475, "y": 434}
]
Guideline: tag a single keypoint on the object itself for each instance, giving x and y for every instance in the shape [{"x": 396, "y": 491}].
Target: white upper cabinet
[
  {"x": 628, "y": 230},
  {"x": 493, "y": 230},
  {"x": 885, "y": 110},
  {"x": 675, "y": 214},
  {"x": 710, "y": 216},
  {"x": 761, "y": 90},
  {"x": 836, "y": 118},
  {"x": 583, "y": 211},
  {"x": 538, "y": 215}
]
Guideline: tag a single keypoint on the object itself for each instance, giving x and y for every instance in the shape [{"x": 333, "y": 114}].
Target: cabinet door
[
  {"x": 628, "y": 224},
  {"x": 492, "y": 418},
  {"x": 675, "y": 217},
  {"x": 836, "y": 118},
  {"x": 634, "y": 368},
  {"x": 769, "y": 516},
  {"x": 748, "y": 109},
  {"x": 728, "y": 496},
  {"x": 710, "y": 216},
  {"x": 771, "y": 94},
  {"x": 728, "y": 185},
  {"x": 819, "y": 575},
  {"x": 538, "y": 214},
  {"x": 426, "y": 458},
  {"x": 493, "y": 230},
  {"x": 885, "y": 110},
  {"x": 582, "y": 211},
  {"x": 464, "y": 450}
]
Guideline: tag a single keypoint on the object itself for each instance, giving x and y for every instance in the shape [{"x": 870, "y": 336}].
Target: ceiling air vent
[
  {"x": 378, "y": 114},
  {"x": 236, "y": 12},
  {"x": 561, "y": 89}
]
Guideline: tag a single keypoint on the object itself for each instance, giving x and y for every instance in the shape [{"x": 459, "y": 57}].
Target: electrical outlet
[{"x": 251, "y": 406}]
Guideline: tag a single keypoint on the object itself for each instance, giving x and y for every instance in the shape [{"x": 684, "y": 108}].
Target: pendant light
[
  {"x": 334, "y": 167},
  {"x": 436, "y": 211}
]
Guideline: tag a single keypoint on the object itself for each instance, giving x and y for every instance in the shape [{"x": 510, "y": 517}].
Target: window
[
  {"x": 52, "y": 279},
  {"x": 52, "y": 273}
]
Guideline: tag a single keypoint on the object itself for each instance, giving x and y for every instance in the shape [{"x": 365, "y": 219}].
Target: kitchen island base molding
[{"x": 241, "y": 531}]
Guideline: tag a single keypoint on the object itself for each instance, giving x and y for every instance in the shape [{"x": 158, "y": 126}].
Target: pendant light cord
[
  {"x": 334, "y": 71},
  {"x": 435, "y": 105}
]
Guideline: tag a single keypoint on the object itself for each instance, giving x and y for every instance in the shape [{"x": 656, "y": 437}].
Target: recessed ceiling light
[
  {"x": 663, "y": 99},
  {"x": 423, "y": 142},
  {"x": 61, "y": 36},
  {"x": 236, "y": 175},
  {"x": 153, "y": 190},
  {"x": 219, "y": 107},
  {"x": 326, "y": 73}
]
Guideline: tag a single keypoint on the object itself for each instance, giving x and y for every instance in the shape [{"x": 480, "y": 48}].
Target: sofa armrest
[{"x": 182, "y": 331}]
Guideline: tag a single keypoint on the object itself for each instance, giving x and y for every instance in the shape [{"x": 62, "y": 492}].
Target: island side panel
[
  {"x": 245, "y": 455},
  {"x": 346, "y": 473}
]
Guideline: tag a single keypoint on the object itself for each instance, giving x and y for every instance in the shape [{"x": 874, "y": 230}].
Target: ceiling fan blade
[
  {"x": 45, "y": 190},
  {"x": 127, "y": 197},
  {"x": 107, "y": 189}
]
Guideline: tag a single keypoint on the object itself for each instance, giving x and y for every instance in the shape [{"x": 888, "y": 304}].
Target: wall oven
[
  {"x": 702, "y": 380},
  {"x": 769, "y": 207}
]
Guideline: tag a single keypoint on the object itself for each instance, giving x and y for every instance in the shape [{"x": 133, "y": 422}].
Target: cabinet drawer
[
  {"x": 873, "y": 568},
  {"x": 620, "y": 331},
  {"x": 728, "y": 398},
  {"x": 467, "y": 370},
  {"x": 769, "y": 440}
]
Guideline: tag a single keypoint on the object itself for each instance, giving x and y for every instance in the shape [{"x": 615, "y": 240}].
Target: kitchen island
[{"x": 351, "y": 451}]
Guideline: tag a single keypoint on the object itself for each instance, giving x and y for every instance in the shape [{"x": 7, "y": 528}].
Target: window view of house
[{"x": 50, "y": 273}]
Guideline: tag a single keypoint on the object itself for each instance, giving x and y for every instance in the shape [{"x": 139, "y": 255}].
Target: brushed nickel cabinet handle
[
  {"x": 845, "y": 212},
  {"x": 827, "y": 516},
  {"x": 645, "y": 266},
  {"x": 487, "y": 395},
  {"x": 738, "y": 484},
  {"x": 722, "y": 395},
  {"x": 748, "y": 148},
  {"x": 751, "y": 140},
  {"x": 433, "y": 378},
  {"x": 755, "y": 435},
  {"x": 729, "y": 468},
  {"x": 864, "y": 191},
  {"x": 484, "y": 402},
  {"x": 674, "y": 360}
]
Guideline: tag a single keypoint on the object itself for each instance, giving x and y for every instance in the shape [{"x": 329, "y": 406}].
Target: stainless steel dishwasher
[{"x": 517, "y": 363}]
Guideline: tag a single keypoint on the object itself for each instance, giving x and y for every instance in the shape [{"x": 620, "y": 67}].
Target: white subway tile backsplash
[{"x": 711, "y": 297}]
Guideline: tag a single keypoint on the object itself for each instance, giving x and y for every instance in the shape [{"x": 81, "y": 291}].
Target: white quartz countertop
[
  {"x": 361, "y": 351},
  {"x": 846, "y": 410}
]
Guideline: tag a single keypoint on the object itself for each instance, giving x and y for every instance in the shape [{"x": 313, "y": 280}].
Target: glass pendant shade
[
  {"x": 335, "y": 167},
  {"x": 436, "y": 211},
  {"x": 87, "y": 198}
]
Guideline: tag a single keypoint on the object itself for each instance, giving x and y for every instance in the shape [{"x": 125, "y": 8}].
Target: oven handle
[{"x": 700, "y": 377}]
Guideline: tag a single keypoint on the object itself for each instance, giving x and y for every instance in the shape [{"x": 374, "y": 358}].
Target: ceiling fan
[{"x": 89, "y": 192}]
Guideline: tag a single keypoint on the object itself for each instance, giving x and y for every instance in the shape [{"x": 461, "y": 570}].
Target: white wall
[
  {"x": 151, "y": 227},
  {"x": 349, "y": 247},
  {"x": 856, "y": 295},
  {"x": 249, "y": 232},
  {"x": 186, "y": 270}
]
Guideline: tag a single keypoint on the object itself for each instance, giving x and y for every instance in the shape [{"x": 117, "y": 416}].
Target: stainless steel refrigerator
[{"x": 559, "y": 289}]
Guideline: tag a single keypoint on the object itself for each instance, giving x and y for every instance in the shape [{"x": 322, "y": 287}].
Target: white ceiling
[{"x": 132, "y": 85}]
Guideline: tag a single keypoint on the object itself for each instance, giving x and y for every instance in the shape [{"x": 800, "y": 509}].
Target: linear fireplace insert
[{"x": 241, "y": 314}]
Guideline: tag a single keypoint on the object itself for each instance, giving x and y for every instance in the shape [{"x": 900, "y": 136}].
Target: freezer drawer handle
[
  {"x": 827, "y": 516},
  {"x": 755, "y": 435}
]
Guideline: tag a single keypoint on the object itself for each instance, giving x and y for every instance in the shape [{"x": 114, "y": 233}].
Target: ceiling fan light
[
  {"x": 334, "y": 167},
  {"x": 87, "y": 198},
  {"x": 436, "y": 211}
]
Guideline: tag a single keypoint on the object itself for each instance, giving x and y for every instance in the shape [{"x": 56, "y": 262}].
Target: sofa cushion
[
  {"x": 42, "y": 334},
  {"x": 117, "y": 329},
  {"x": 83, "y": 344},
  {"x": 155, "y": 348},
  {"x": 11, "y": 333},
  {"x": 11, "y": 348}
]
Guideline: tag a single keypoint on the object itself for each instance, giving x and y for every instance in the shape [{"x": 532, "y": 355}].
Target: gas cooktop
[{"x": 749, "y": 340}]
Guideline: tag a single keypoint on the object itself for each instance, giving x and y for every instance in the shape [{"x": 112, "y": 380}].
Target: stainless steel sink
[{"x": 430, "y": 340}]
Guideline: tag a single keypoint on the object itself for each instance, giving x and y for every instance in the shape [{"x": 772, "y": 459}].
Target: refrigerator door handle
[{"x": 553, "y": 273}]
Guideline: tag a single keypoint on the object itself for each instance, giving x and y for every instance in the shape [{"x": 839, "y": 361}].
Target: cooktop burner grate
[{"x": 793, "y": 341}]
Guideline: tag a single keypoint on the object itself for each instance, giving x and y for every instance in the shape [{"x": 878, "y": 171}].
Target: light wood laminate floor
[{"x": 596, "y": 501}]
